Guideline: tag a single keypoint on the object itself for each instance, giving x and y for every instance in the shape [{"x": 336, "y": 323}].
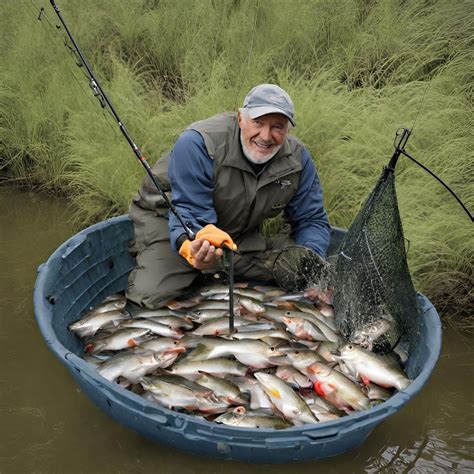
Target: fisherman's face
[{"x": 262, "y": 137}]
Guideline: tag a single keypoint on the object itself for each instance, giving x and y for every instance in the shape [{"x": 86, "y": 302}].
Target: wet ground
[{"x": 48, "y": 425}]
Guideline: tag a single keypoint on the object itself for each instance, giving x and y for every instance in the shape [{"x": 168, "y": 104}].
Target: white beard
[{"x": 258, "y": 159}]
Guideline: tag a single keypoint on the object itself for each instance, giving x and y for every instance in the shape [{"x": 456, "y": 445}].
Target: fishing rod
[
  {"x": 401, "y": 137},
  {"x": 106, "y": 103}
]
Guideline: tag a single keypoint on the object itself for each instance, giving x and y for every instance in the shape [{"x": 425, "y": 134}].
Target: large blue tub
[{"x": 96, "y": 263}]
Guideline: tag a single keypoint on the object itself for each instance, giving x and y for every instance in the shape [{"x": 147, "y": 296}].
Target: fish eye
[
  {"x": 350, "y": 347},
  {"x": 297, "y": 352},
  {"x": 272, "y": 348}
]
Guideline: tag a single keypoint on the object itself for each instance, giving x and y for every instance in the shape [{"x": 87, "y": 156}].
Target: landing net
[{"x": 372, "y": 284}]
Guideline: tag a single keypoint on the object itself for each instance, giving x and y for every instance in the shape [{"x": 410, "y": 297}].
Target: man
[{"x": 226, "y": 175}]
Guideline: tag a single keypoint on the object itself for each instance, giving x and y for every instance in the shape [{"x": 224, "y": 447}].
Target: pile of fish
[{"x": 284, "y": 365}]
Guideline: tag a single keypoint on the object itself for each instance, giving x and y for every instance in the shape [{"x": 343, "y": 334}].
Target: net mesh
[
  {"x": 374, "y": 298},
  {"x": 297, "y": 268}
]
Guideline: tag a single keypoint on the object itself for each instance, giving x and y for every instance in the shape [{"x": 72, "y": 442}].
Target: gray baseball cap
[{"x": 269, "y": 99}]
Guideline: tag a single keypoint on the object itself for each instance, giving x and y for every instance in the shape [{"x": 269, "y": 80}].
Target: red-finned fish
[
  {"x": 372, "y": 367},
  {"x": 121, "y": 339},
  {"x": 336, "y": 388}
]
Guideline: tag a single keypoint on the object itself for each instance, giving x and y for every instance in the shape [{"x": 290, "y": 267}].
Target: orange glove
[
  {"x": 216, "y": 237},
  {"x": 185, "y": 252},
  {"x": 213, "y": 235}
]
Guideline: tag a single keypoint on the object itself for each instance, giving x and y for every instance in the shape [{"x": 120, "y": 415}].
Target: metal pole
[{"x": 230, "y": 255}]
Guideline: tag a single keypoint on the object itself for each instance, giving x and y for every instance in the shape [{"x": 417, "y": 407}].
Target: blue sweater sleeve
[
  {"x": 305, "y": 210},
  {"x": 191, "y": 174}
]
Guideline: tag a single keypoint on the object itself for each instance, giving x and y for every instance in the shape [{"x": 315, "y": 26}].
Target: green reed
[{"x": 357, "y": 70}]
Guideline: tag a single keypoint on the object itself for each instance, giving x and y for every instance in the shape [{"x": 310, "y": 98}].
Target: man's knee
[{"x": 158, "y": 276}]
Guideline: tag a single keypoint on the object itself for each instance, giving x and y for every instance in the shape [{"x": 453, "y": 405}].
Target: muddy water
[{"x": 48, "y": 425}]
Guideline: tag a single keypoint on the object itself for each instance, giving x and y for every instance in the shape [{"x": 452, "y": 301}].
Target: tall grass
[{"x": 356, "y": 69}]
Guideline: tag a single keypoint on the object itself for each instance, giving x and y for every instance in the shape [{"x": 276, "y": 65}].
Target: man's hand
[{"x": 205, "y": 252}]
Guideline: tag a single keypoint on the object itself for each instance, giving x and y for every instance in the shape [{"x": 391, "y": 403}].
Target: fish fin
[
  {"x": 89, "y": 347},
  {"x": 318, "y": 388},
  {"x": 275, "y": 392},
  {"x": 199, "y": 353}
]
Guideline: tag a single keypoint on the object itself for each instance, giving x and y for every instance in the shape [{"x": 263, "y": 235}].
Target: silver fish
[
  {"x": 89, "y": 325},
  {"x": 292, "y": 376},
  {"x": 286, "y": 400},
  {"x": 369, "y": 333},
  {"x": 304, "y": 329},
  {"x": 197, "y": 388},
  {"x": 218, "y": 326},
  {"x": 250, "y": 304},
  {"x": 246, "y": 420},
  {"x": 222, "y": 388},
  {"x": 300, "y": 359},
  {"x": 203, "y": 315},
  {"x": 173, "y": 394},
  {"x": 311, "y": 309},
  {"x": 154, "y": 327},
  {"x": 326, "y": 351},
  {"x": 113, "y": 305},
  {"x": 174, "y": 322},
  {"x": 219, "y": 367},
  {"x": 160, "y": 344},
  {"x": 261, "y": 334},
  {"x": 211, "y": 304},
  {"x": 240, "y": 293},
  {"x": 336, "y": 388},
  {"x": 121, "y": 339},
  {"x": 157, "y": 313},
  {"x": 326, "y": 309},
  {"x": 114, "y": 297},
  {"x": 132, "y": 366},
  {"x": 181, "y": 304},
  {"x": 210, "y": 290},
  {"x": 374, "y": 392},
  {"x": 373, "y": 368},
  {"x": 250, "y": 352},
  {"x": 258, "y": 398}
]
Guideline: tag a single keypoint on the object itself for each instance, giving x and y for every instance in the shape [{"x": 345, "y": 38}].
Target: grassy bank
[{"x": 356, "y": 69}]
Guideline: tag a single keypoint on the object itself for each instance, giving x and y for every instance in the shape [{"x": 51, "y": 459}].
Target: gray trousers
[{"x": 160, "y": 274}]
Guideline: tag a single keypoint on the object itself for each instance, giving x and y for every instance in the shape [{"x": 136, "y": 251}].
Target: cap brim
[{"x": 255, "y": 112}]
